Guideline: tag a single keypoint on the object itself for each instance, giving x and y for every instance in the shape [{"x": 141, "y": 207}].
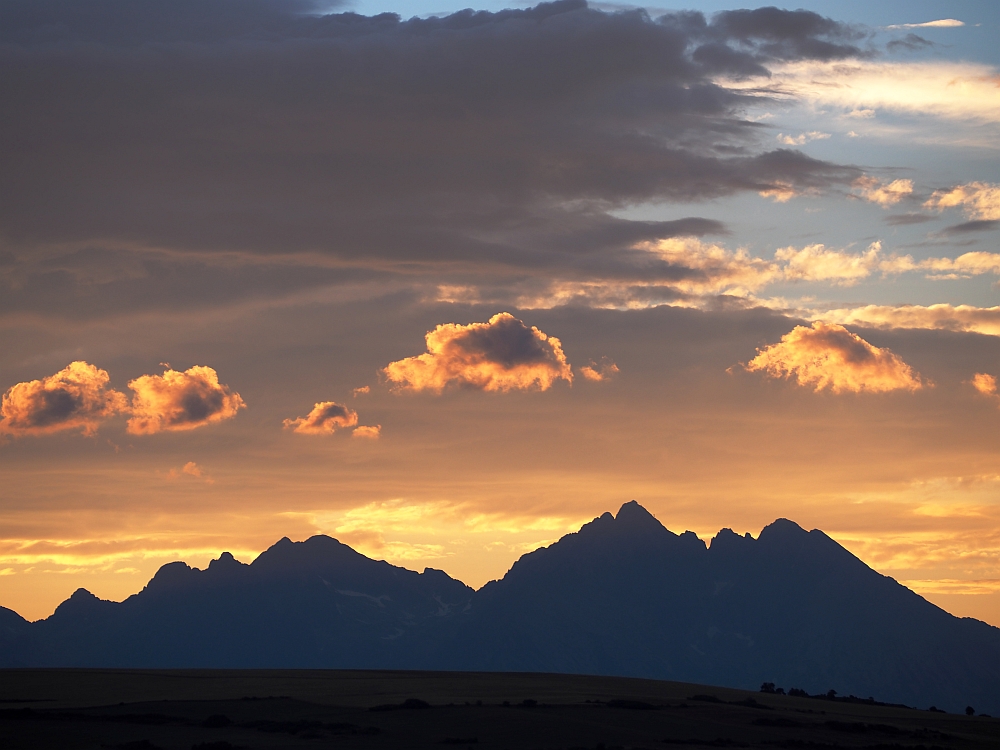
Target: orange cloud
[
  {"x": 191, "y": 469},
  {"x": 325, "y": 418},
  {"x": 830, "y": 356},
  {"x": 981, "y": 200},
  {"x": 369, "y": 432},
  {"x": 984, "y": 383},
  {"x": 362, "y": 391},
  {"x": 884, "y": 194},
  {"x": 76, "y": 397},
  {"x": 501, "y": 355},
  {"x": 180, "y": 401},
  {"x": 606, "y": 370}
]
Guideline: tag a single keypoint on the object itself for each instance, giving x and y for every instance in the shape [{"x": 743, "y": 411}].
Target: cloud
[
  {"x": 830, "y": 356},
  {"x": 501, "y": 355},
  {"x": 972, "y": 226},
  {"x": 909, "y": 42},
  {"x": 192, "y": 470},
  {"x": 984, "y": 383},
  {"x": 884, "y": 194},
  {"x": 591, "y": 111},
  {"x": 704, "y": 268},
  {"x": 943, "y": 23},
  {"x": 597, "y": 372},
  {"x": 361, "y": 391},
  {"x": 325, "y": 418},
  {"x": 980, "y": 200},
  {"x": 76, "y": 397},
  {"x": 180, "y": 401},
  {"x": 901, "y": 220},
  {"x": 966, "y": 318},
  {"x": 818, "y": 263},
  {"x": 953, "y": 91},
  {"x": 802, "y": 138},
  {"x": 367, "y": 432}
]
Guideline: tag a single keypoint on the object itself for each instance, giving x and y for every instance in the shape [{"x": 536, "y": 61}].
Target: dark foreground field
[{"x": 222, "y": 709}]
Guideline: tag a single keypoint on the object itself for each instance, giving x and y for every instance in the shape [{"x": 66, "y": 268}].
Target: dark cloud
[
  {"x": 134, "y": 22},
  {"x": 775, "y": 34},
  {"x": 981, "y": 225},
  {"x": 910, "y": 42},
  {"x": 899, "y": 220},
  {"x": 473, "y": 141}
]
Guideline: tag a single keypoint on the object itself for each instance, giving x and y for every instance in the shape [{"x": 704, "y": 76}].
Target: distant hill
[{"x": 623, "y": 596}]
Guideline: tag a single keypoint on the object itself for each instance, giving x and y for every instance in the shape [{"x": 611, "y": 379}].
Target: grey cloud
[
  {"x": 982, "y": 225},
  {"x": 898, "y": 220},
  {"x": 775, "y": 34},
  {"x": 910, "y": 42},
  {"x": 471, "y": 140},
  {"x": 132, "y": 22}
]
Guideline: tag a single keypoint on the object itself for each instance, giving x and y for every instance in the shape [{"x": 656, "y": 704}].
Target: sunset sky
[{"x": 445, "y": 287}]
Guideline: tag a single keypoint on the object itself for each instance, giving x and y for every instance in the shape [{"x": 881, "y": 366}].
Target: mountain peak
[
  {"x": 225, "y": 561},
  {"x": 782, "y": 530},
  {"x": 633, "y": 517}
]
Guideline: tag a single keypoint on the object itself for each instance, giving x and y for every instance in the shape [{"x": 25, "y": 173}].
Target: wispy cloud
[
  {"x": 967, "y": 318},
  {"x": 943, "y": 23},
  {"x": 948, "y": 90},
  {"x": 802, "y": 138}
]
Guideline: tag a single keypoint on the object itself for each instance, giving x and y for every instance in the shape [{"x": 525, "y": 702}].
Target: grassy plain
[{"x": 225, "y": 709}]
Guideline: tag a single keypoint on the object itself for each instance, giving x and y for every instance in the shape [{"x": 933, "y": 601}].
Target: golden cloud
[
  {"x": 368, "y": 432},
  {"x": 818, "y": 263},
  {"x": 325, "y": 418},
  {"x": 830, "y": 356},
  {"x": 501, "y": 355},
  {"x": 950, "y": 90},
  {"x": 605, "y": 370},
  {"x": 77, "y": 397},
  {"x": 720, "y": 271},
  {"x": 884, "y": 194},
  {"x": 180, "y": 401},
  {"x": 985, "y": 320},
  {"x": 980, "y": 200}
]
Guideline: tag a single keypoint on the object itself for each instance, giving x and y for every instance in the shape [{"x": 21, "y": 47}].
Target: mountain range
[{"x": 622, "y": 596}]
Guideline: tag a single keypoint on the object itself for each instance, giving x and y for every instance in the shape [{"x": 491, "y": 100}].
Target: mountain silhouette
[{"x": 622, "y": 596}]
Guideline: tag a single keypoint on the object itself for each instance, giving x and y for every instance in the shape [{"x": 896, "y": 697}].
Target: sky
[{"x": 446, "y": 284}]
